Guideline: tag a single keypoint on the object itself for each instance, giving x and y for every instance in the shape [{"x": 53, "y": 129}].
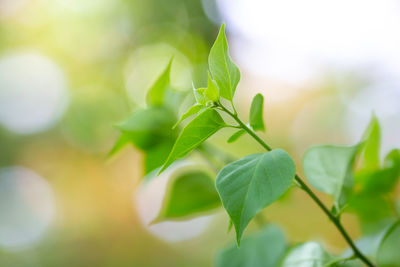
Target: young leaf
[
  {"x": 329, "y": 169},
  {"x": 372, "y": 140},
  {"x": 388, "y": 253},
  {"x": 250, "y": 184},
  {"x": 147, "y": 127},
  {"x": 200, "y": 96},
  {"x": 195, "y": 132},
  {"x": 212, "y": 92},
  {"x": 223, "y": 70},
  {"x": 261, "y": 249},
  {"x": 155, "y": 95},
  {"x": 256, "y": 113},
  {"x": 191, "y": 111},
  {"x": 236, "y": 136},
  {"x": 189, "y": 193},
  {"x": 310, "y": 254}
]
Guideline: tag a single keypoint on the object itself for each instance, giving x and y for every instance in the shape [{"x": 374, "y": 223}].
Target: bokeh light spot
[
  {"x": 33, "y": 93},
  {"x": 26, "y": 207}
]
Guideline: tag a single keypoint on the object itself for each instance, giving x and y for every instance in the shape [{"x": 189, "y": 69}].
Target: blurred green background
[{"x": 71, "y": 69}]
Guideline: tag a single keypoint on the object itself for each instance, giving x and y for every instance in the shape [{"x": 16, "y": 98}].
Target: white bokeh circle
[
  {"x": 33, "y": 92},
  {"x": 27, "y": 207}
]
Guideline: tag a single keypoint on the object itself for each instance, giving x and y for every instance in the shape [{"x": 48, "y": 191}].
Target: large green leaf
[
  {"x": 223, "y": 70},
  {"x": 189, "y": 193},
  {"x": 195, "y": 132},
  {"x": 310, "y": 254},
  {"x": 156, "y": 93},
  {"x": 256, "y": 113},
  {"x": 261, "y": 249},
  {"x": 389, "y": 249},
  {"x": 250, "y": 184},
  {"x": 329, "y": 169},
  {"x": 371, "y": 146},
  {"x": 147, "y": 127}
]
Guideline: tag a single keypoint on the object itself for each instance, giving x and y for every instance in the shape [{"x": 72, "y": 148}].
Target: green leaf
[
  {"x": 155, "y": 95},
  {"x": 189, "y": 193},
  {"x": 329, "y": 169},
  {"x": 371, "y": 139},
  {"x": 212, "y": 92},
  {"x": 223, "y": 70},
  {"x": 250, "y": 184},
  {"x": 261, "y": 249},
  {"x": 256, "y": 113},
  {"x": 191, "y": 111},
  {"x": 310, "y": 254},
  {"x": 195, "y": 132},
  {"x": 147, "y": 127},
  {"x": 388, "y": 253},
  {"x": 122, "y": 140},
  {"x": 236, "y": 136},
  {"x": 155, "y": 156},
  {"x": 200, "y": 96}
]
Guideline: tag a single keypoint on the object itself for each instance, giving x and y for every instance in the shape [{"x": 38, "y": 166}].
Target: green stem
[{"x": 308, "y": 190}]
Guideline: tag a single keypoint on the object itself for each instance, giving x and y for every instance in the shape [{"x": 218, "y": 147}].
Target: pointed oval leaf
[
  {"x": 256, "y": 113},
  {"x": 224, "y": 71},
  {"x": 195, "y": 132},
  {"x": 236, "y": 136},
  {"x": 155, "y": 95},
  {"x": 310, "y": 254},
  {"x": 328, "y": 168},
  {"x": 191, "y": 111},
  {"x": 250, "y": 184},
  {"x": 189, "y": 193},
  {"x": 262, "y": 249},
  {"x": 388, "y": 252}
]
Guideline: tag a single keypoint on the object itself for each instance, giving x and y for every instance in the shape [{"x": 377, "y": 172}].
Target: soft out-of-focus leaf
[
  {"x": 224, "y": 71},
  {"x": 250, "y": 184},
  {"x": 256, "y": 113},
  {"x": 261, "y": 249},
  {"x": 389, "y": 249},
  {"x": 146, "y": 127},
  {"x": 195, "y": 132},
  {"x": 156, "y": 93},
  {"x": 372, "y": 210},
  {"x": 236, "y": 136},
  {"x": 122, "y": 140},
  {"x": 155, "y": 156},
  {"x": 328, "y": 168},
  {"x": 189, "y": 193},
  {"x": 310, "y": 254},
  {"x": 190, "y": 112},
  {"x": 371, "y": 146}
]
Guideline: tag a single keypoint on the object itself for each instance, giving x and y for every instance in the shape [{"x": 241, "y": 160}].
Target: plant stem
[{"x": 308, "y": 190}]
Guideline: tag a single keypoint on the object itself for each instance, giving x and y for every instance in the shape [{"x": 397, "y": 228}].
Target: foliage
[{"x": 352, "y": 175}]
